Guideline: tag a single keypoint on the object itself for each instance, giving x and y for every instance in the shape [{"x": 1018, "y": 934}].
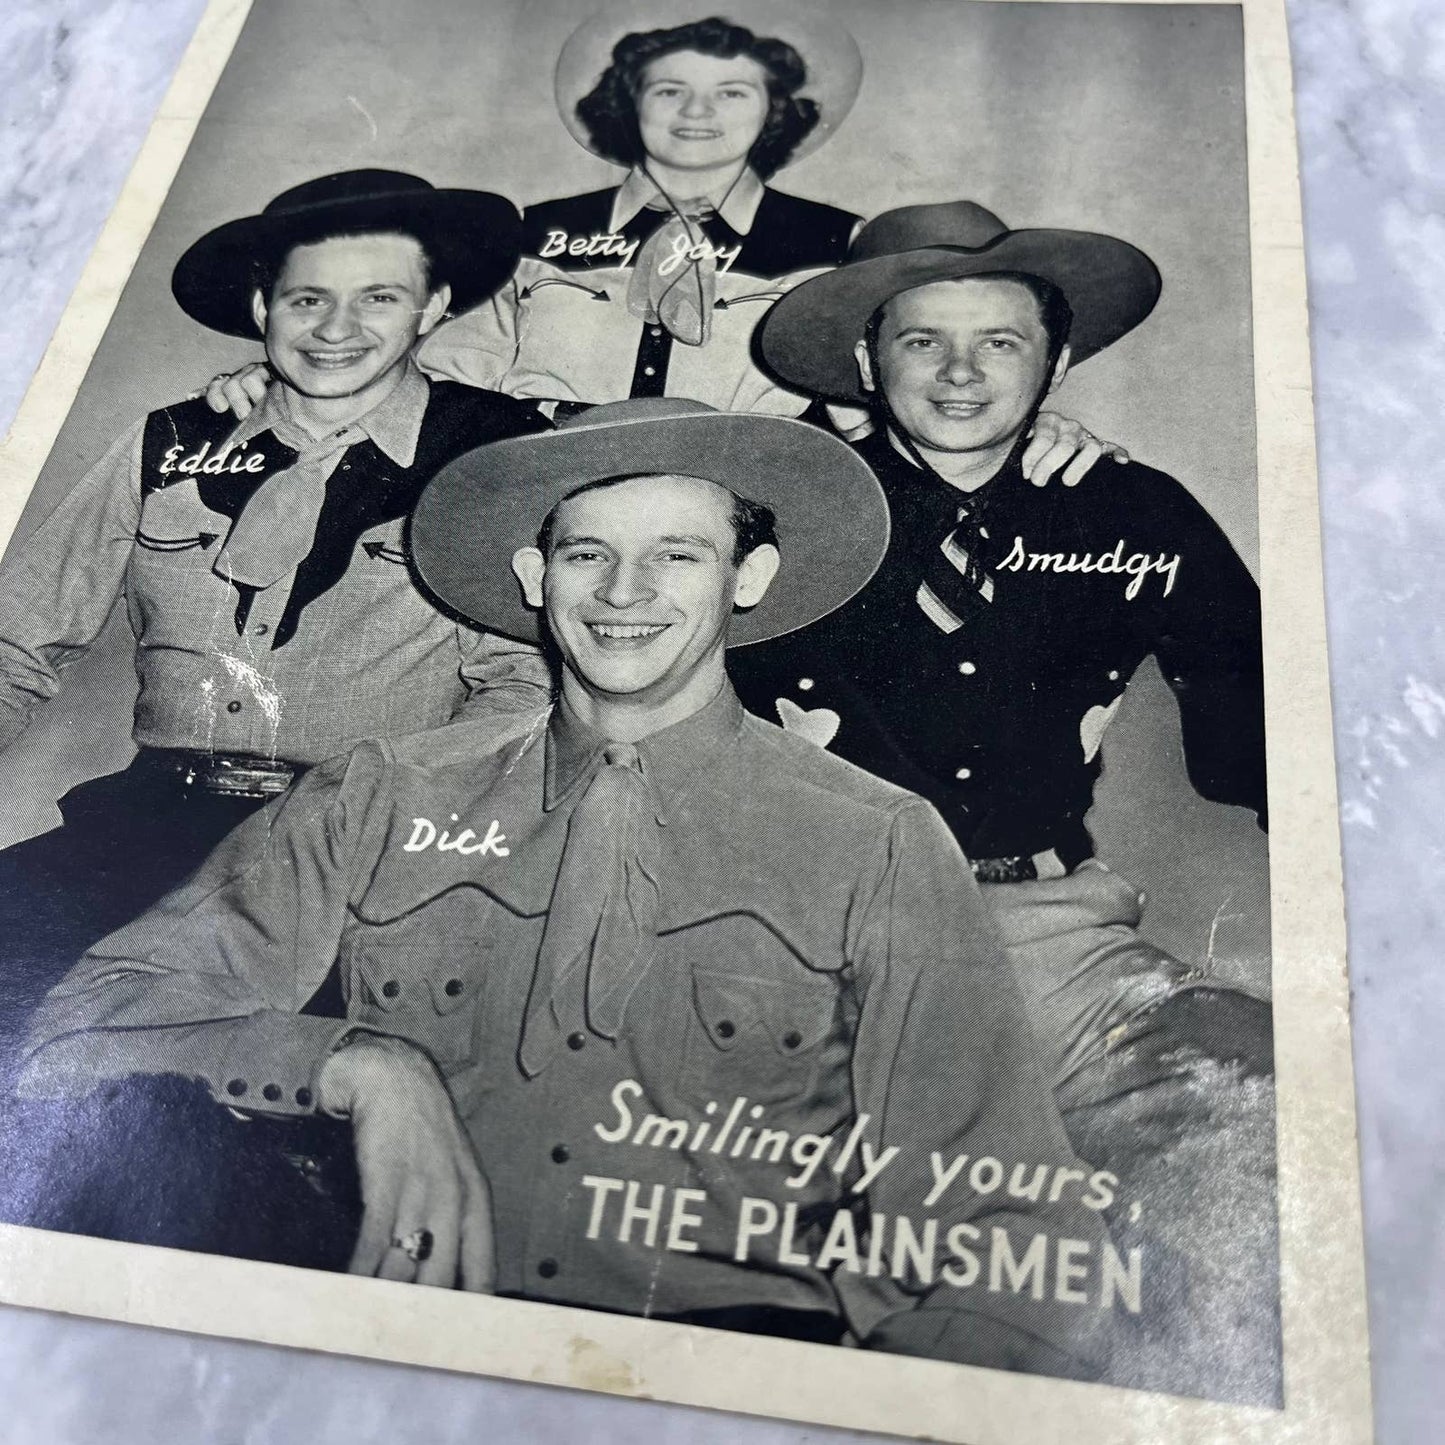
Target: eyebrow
[
  {"x": 572, "y": 540},
  {"x": 327, "y": 290},
  {"x": 983, "y": 331},
  {"x": 727, "y": 80}
]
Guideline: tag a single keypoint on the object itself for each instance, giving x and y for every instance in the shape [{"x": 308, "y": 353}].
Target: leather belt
[
  {"x": 1022, "y": 869},
  {"x": 236, "y": 775}
]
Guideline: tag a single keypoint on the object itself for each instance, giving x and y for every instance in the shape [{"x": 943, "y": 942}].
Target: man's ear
[
  {"x": 529, "y": 566},
  {"x": 865, "y": 366},
  {"x": 258, "y": 310},
  {"x": 1061, "y": 370},
  {"x": 755, "y": 575},
  {"x": 435, "y": 308}
]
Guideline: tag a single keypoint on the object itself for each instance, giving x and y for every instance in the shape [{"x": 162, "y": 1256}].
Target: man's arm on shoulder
[
  {"x": 209, "y": 984},
  {"x": 58, "y": 586},
  {"x": 946, "y": 1065}
]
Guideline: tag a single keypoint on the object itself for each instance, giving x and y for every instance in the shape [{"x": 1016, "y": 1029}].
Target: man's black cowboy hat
[
  {"x": 831, "y": 514},
  {"x": 809, "y": 335},
  {"x": 473, "y": 239}
]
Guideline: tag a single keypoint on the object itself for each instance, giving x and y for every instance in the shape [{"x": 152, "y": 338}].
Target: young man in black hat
[
  {"x": 645, "y": 1009},
  {"x": 982, "y": 664},
  {"x": 263, "y": 566}
]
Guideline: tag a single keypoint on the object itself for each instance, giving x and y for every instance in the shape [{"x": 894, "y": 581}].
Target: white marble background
[{"x": 79, "y": 83}]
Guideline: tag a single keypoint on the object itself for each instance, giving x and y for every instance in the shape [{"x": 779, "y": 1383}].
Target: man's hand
[
  {"x": 417, "y": 1167},
  {"x": 1053, "y": 441},
  {"x": 242, "y": 390}
]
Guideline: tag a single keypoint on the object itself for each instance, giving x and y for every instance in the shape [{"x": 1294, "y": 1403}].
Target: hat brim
[
  {"x": 474, "y": 240},
  {"x": 831, "y": 514},
  {"x": 808, "y": 336},
  {"x": 830, "y": 55}
]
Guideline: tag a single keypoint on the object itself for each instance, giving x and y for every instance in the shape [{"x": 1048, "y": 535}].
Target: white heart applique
[
  {"x": 819, "y": 724},
  {"x": 1094, "y": 724}
]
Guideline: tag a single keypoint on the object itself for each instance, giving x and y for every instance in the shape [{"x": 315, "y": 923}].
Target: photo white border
[{"x": 1326, "y": 1383}]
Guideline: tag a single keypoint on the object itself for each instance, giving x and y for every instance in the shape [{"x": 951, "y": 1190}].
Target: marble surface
[{"x": 79, "y": 82}]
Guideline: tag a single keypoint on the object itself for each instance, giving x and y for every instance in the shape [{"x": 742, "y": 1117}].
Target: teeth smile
[
  {"x": 627, "y": 629},
  {"x": 333, "y": 358}
]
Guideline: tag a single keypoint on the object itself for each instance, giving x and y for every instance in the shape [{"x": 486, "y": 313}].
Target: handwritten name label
[
  {"x": 234, "y": 461},
  {"x": 616, "y": 246},
  {"x": 425, "y": 834},
  {"x": 599, "y": 243},
  {"x": 1136, "y": 566}
]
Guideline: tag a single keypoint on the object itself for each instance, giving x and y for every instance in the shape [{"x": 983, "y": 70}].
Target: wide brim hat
[
  {"x": 808, "y": 337},
  {"x": 473, "y": 239},
  {"x": 832, "y": 518},
  {"x": 831, "y": 57}
]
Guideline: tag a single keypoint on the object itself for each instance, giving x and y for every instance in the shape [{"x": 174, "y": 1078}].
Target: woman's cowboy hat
[
  {"x": 830, "y": 54},
  {"x": 808, "y": 336},
  {"x": 472, "y": 237},
  {"x": 832, "y": 517}
]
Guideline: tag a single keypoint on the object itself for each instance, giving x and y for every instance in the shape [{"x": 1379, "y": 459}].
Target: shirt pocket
[
  {"x": 768, "y": 1038},
  {"x": 424, "y": 976}
]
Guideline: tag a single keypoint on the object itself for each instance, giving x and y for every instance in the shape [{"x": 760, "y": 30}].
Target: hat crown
[
  {"x": 637, "y": 408},
  {"x": 344, "y": 187},
  {"x": 912, "y": 228}
]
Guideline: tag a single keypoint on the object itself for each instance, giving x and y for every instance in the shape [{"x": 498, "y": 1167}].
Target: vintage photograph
[{"x": 635, "y": 685}]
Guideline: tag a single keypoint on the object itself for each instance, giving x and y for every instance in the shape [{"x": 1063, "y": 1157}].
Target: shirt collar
[
  {"x": 739, "y": 207},
  {"x": 671, "y": 759},
  {"x": 394, "y": 423}
]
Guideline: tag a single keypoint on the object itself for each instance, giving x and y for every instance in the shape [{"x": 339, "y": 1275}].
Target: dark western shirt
[
  {"x": 821, "y": 947},
  {"x": 342, "y": 647},
  {"x": 998, "y": 723}
]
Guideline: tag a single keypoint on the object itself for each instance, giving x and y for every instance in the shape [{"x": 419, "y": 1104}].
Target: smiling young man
[
  {"x": 262, "y": 566},
  {"x": 568, "y": 960},
  {"x": 981, "y": 667}
]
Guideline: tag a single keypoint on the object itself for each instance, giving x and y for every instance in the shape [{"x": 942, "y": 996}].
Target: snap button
[
  {"x": 453, "y": 987},
  {"x": 964, "y": 774},
  {"x": 272, "y": 1092},
  {"x": 560, "y": 1153},
  {"x": 726, "y": 1028},
  {"x": 1113, "y": 674},
  {"x": 303, "y": 1098},
  {"x": 390, "y": 988},
  {"x": 967, "y": 668},
  {"x": 236, "y": 1088},
  {"x": 233, "y": 706},
  {"x": 576, "y": 1041},
  {"x": 649, "y": 371},
  {"x": 805, "y": 684},
  {"x": 547, "y": 1268},
  {"x": 654, "y": 331},
  {"x": 792, "y": 1039}
]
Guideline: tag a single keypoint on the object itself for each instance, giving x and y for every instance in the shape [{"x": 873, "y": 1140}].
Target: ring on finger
[{"x": 416, "y": 1246}]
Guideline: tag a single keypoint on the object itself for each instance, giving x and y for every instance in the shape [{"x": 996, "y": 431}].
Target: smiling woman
[{"x": 653, "y": 287}]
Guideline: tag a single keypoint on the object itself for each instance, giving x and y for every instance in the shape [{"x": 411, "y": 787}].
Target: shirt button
[
  {"x": 654, "y": 331},
  {"x": 261, "y": 629},
  {"x": 967, "y": 668},
  {"x": 560, "y": 1153},
  {"x": 547, "y": 1268},
  {"x": 390, "y": 988},
  {"x": 1113, "y": 674},
  {"x": 792, "y": 1039},
  {"x": 236, "y": 1088},
  {"x": 272, "y": 1092},
  {"x": 576, "y": 1041},
  {"x": 805, "y": 684},
  {"x": 964, "y": 774},
  {"x": 303, "y": 1098},
  {"x": 649, "y": 371},
  {"x": 453, "y": 987},
  {"x": 233, "y": 706},
  {"x": 726, "y": 1028}
]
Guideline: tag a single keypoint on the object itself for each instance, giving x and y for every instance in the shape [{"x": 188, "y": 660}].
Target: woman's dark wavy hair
[{"x": 610, "y": 111}]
